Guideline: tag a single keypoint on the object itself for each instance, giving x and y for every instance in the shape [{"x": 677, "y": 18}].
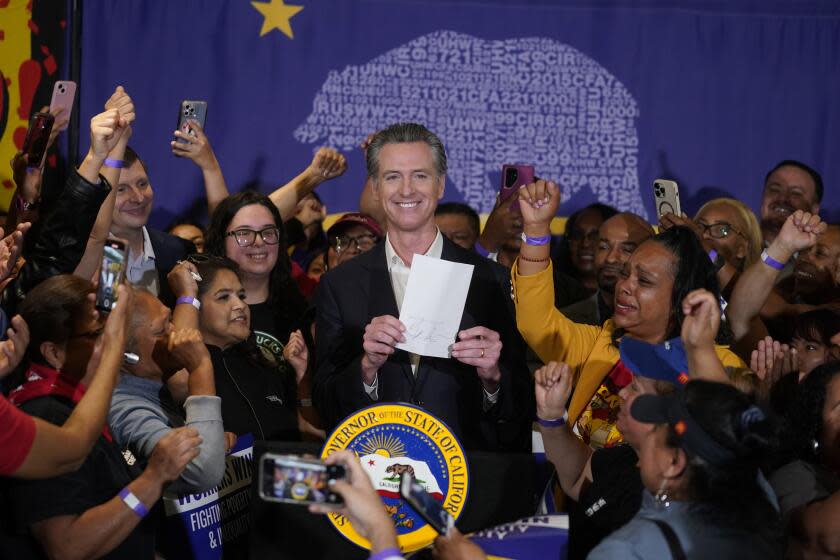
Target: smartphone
[
  {"x": 425, "y": 505},
  {"x": 513, "y": 177},
  {"x": 64, "y": 94},
  {"x": 110, "y": 274},
  {"x": 667, "y": 196},
  {"x": 295, "y": 480},
  {"x": 196, "y": 110},
  {"x": 37, "y": 137}
]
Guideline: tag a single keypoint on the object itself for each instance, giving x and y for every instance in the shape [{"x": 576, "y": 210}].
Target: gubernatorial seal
[{"x": 390, "y": 439}]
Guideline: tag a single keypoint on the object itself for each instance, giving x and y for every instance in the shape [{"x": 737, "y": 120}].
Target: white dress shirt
[{"x": 399, "y": 272}]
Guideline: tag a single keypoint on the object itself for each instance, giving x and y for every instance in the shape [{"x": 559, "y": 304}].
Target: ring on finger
[{"x": 482, "y": 352}]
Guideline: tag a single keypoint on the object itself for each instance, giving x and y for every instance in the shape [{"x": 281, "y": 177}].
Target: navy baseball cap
[
  {"x": 673, "y": 410},
  {"x": 665, "y": 362}
]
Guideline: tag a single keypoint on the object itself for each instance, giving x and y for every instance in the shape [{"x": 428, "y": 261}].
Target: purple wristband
[
  {"x": 770, "y": 261},
  {"x": 553, "y": 423},
  {"x": 481, "y": 250},
  {"x": 544, "y": 240},
  {"x": 385, "y": 554},
  {"x": 189, "y": 300},
  {"x": 133, "y": 502},
  {"x": 116, "y": 163}
]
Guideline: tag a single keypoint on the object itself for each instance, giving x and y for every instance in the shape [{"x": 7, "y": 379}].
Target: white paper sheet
[{"x": 433, "y": 305}]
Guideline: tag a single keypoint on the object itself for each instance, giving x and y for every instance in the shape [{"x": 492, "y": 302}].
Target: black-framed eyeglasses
[
  {"x": 364, "y": 242},
  {"x": 719, "y": 230},
  {"x": 246, "y": 237}
]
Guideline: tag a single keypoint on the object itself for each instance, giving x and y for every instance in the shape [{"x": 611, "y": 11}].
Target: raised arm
[
  {"x": 545, "y": 329},
  {"x": 570, "y": 456},
  {"x": 92, "y": 258},
  {"x": 327, "y": 164},
  {"x": 799, "y": 232},
  {"x": 699, "y": 329},
  {"x": 100, "y": 529},
  {"x": 197, "y": 148},
  {"x": 61, "y": 449}
]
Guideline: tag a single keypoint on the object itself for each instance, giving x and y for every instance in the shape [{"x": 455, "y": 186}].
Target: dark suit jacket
[
  {"x": 168, "y": 249},
  {"x": 359, "y": 290}
]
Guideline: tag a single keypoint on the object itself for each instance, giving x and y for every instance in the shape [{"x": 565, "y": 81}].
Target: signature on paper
[{"x": 429, "y": 331}]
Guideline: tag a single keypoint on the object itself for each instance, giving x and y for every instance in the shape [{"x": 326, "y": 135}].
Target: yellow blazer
[{"x": 587, "y": 349}]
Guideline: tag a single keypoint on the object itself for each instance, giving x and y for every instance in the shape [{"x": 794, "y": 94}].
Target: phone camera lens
[
  {"x": 61, "y": 89},
  {"x": 511, "y": 175}
]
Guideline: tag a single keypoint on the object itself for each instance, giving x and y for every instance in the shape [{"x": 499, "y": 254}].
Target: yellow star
[{"x": 277, "y": 16}]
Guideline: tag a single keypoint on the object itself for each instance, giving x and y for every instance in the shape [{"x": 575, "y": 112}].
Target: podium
[{"x": 503, "y": 488}]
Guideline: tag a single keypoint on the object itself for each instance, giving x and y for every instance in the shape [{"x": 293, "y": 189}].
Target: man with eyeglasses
[
  {"x": 350, "y": 236},
  {"x": 483, "y": 392}
]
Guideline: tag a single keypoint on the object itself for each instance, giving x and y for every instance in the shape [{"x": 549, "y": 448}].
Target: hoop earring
[{"x": 661, "y": 497}]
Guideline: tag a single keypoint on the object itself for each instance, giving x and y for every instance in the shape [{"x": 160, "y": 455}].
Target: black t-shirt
[
  {"x": 270, "y": 331},
  {"x": 101, "y": 477},
  {"x": 256, "y": 399},
  {"x": 609, "y": 502}
]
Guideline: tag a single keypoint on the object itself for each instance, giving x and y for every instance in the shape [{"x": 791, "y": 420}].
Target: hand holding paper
[{"x": 433, "y": 305}]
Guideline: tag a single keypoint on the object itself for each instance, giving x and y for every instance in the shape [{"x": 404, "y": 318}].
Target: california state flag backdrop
[{"x": 384, "y": 473}]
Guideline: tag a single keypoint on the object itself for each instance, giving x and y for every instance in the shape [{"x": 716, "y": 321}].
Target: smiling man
[
  {"x": 151, "y": 253},
  {"x": 790, "y": 186},
  {"x": 483, "y": 391}
]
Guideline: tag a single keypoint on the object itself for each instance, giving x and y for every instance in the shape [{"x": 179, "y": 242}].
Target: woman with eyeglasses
[
  {"x": 730, "y": 234},
  {"x": 246, "y": 228}
]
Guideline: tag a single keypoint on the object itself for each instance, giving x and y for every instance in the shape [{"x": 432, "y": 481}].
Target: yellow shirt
[{"x": 587, "y": 349}]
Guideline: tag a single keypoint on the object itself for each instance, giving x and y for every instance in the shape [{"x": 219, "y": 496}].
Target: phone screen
[
  {"x": 37, "y": 137},
  {"x": 424, "y": 504},
  {"x": 298, "y": 481},
  {"x": 110, "y": 275}
]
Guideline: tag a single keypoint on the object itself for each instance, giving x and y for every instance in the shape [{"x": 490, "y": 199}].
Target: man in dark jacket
[{"x": 483, "y": 392}]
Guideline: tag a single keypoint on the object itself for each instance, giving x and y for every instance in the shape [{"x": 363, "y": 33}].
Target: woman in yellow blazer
[{"x": 648, "y": 305}]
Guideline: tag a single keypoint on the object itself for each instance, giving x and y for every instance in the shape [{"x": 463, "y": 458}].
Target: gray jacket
[{"x": 142, "y": 412}]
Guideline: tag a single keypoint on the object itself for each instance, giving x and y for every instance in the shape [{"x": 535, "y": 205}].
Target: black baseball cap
[{"x": 673, "y": 410}]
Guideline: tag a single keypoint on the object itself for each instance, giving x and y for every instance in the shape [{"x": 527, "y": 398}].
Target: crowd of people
[{"x": 684, "y": 375}]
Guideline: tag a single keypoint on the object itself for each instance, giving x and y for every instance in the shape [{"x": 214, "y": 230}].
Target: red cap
[{"x": 354, "y": 219}]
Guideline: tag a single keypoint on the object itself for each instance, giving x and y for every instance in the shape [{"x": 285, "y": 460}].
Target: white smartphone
[
  {"x": 64, "y": 94},
  {"x": 667, "y": 197}
]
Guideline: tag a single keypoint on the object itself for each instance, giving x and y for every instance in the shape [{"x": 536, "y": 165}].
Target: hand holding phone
[
  {"x": 425, "y": 505},
  {"x": 110, "y": 274},
  {"x": 362, "y": 505},
  {"x": 191, "y": 110},
  {"x": 514, "y": 176},
  {"x": 37, "y": 138},
  {"x": 667, "y": 197},
  {"x": 63, "y": 97}
]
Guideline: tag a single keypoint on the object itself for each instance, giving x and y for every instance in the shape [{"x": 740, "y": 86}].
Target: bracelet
[
  {"x": 770, "y": 261},
  {"x": 191, "y": 300},
  {"x": 554, "y": 423},
  {"x": 115, "y": 163},
  {"x": 133, "y": 502},
  {"x": 386, "y": 554},
  {"x": 305, "y": 403},
  {"x": 546, "y": 259},
  {"x": 544, "y": 240}
]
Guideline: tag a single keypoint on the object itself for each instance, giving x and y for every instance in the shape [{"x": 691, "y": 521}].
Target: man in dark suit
[
  {"x": 483, "y": 392},
  {"x": 151, "y": 253}
]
